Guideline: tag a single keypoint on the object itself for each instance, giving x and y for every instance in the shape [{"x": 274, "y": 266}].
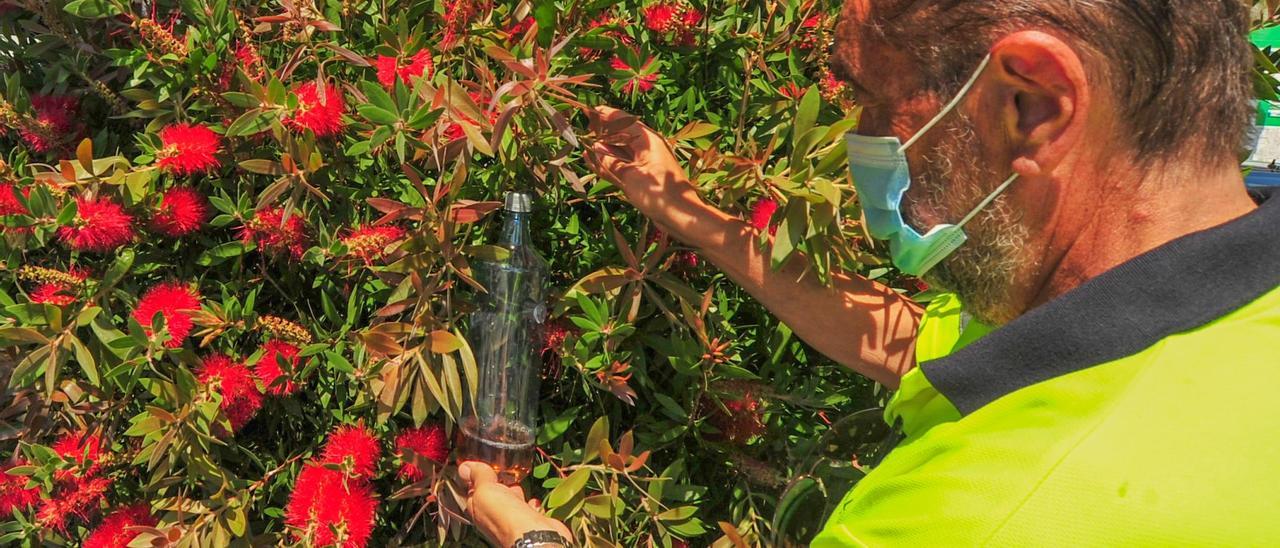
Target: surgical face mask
[{"x": 881, "y": 176}]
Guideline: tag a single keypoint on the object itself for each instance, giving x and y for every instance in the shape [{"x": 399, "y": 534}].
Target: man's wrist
[
  {"x": 517, "y": 529},
  {"x": 541, "y": 538}
]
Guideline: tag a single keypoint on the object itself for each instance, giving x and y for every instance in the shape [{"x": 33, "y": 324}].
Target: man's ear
[{"x": 1039, "y": 86}]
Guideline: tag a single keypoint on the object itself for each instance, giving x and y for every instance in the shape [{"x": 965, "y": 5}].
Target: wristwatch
[{"x": 541, "y": 539}]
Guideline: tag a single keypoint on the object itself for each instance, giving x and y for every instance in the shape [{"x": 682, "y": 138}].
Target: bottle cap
[{"x": 518, "y": 202}]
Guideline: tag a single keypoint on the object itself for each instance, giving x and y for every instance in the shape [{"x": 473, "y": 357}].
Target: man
[{"x": 1070, "y": 172}]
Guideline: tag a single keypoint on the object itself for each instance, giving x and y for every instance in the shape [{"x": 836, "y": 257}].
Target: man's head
[{"x": 1074, "y": 91}]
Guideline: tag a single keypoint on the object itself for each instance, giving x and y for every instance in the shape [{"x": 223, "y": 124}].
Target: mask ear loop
[
  {"x": 950, "y": 106},
  {"x": 996, "y": 194}
]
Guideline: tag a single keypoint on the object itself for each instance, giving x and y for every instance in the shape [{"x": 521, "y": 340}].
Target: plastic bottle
[{"x": 505, "y": 331}]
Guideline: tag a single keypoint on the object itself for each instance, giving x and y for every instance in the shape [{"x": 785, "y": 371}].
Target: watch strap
[{"x": 541, "y": 539}]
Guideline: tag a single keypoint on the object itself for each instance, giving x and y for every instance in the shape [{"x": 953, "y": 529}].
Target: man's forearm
[{"x": 856, "y": 322}]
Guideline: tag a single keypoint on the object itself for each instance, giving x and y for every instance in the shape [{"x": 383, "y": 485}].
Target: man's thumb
[{"x": 475, "y": 474}]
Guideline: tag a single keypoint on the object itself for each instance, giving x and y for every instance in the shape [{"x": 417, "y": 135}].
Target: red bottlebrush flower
[
  {"x": 454, "y": 130},
  {"x": 356, "y": 444},
  {"x": 518, "y": 29},
  {"x": 691, "y": 18},
  {"x": 834, "y": 91},
  {"x": 429, "y": 441},
  {"x": 78, "y": 497},
  {"x": 810, "y": 29},
  {"x": 9, "y": 203},
  {"x": 320, "y": 113},
  {"x": 386, "y": 66},
  {"x": 174, "y": 301},
  {"x": 687, "y": 260},
  {"x": 689, "y": 21},
  {"x": 54, "y": 122},
  {"x": 458, "y": 15},
  {"x": 188, "y": 149},
  {"x": 641, "y": 78},
  {"x": 182, "y": 210},
  {"x": 328, "y": 509},
  {"x": 240, "y": 396},
  {"x": 916, "y": 283},
  {"x": 673, "y": 20},
  {"x": 247, "y": 59},
  {"x": 368, "y": 242},
  {"x": 606, "y": 19},
  {"x": 664, "y": 17},
  {"x": 554, "y": 335},
  {"x": 55, "y": 287},
  {"x": 269, "y": 367},
  {"x": 250, "y": 61},
  {"x": 81, "y": 448},
  {"x": 101, "y": 226},
  {"x": 114, "y": 530},
  {"x": 389, "y": 68},
  {"x": 274, "y": 234},
  {"x": 743, "y": 420},
  {"x": 52, "y": 294},
  {"x": 14, "y": 494},
  {"x": 762, "y": 215},
  {"x": 791, "y": 90}
]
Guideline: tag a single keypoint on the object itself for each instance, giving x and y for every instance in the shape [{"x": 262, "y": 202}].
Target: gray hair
[{"x": 1180, "y": 70}]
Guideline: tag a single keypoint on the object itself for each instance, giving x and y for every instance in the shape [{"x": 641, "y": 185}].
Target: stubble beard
[{"x": 983, "y": 271}]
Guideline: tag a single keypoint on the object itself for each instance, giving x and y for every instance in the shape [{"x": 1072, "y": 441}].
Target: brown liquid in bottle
[{"x": 505, "y": 446}]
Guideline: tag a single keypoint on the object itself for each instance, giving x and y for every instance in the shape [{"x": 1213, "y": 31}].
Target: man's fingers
[
  {"x": 602, "y": 162},
  {"x": 475, "y": 474}
]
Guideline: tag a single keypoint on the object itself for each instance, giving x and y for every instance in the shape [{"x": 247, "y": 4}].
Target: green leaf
[
  {"x": 807, "y": 112},
  {"x": 242, "y": 100},
  {"x": 86, "y": 361},
  {"x": 251, "y": 122},
  {"x": 544, "y": 12},
  {"x": 377, "y": 115},
  {"x": 124, "y": 261},
  {"x": 221, "y": 252},
  {"x": 92, "y": 9},
  {"x": 22, "y": 335},
  {"x": 378, "y": 97},
  {"x": 338, "y": 363},
  {"x": 569, "y": 488},
  {"x": 262, "y": 166},
  {"x": 791, "y": 232},
  {"x": 599, "y": 432},
  {"x": 691, "y": 528},
  {"x": 678, "y": 514},
  {"x": 67, "y": 214},
  {"x": 556, "y": 427}
]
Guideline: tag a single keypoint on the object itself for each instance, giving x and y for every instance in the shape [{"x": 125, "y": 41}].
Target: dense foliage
[
  {"x": 237, "y": 245},
  {"x": 237, "y": 252}
]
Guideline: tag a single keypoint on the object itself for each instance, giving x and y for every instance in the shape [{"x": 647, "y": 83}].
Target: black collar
[{"x": 1179, "y": 286}]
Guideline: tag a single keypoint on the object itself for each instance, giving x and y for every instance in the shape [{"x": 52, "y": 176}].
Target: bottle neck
[{"x": 515, "y": 231}]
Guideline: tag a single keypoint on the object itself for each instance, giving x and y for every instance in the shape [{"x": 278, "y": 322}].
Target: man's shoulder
[{"x": 1164, "y": 446}]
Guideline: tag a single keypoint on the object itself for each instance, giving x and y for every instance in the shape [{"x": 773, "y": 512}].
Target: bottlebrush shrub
[{"x": 236, "y": 242}]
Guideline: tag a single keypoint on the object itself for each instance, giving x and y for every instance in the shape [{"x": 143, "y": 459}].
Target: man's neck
[{"x": 1137, "y": 214}]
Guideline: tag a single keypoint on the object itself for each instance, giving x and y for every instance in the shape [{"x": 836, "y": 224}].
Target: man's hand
[
  {"x": 639, "y": 161},
  {"x": 854, "y": 321},
  {"x": 501, "y": 512}
]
